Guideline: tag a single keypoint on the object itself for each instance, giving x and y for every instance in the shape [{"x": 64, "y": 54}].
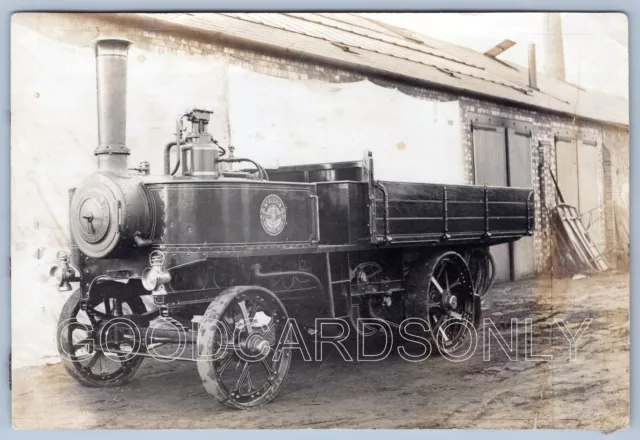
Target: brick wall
[
  {"x": 163, "y": 38},
  {"x": 616, "y": 181}
]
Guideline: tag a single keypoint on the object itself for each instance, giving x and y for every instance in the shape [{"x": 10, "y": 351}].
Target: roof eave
[{"x": 251, "y": 43}]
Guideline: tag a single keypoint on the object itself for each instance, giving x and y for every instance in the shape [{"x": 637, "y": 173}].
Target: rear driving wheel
[
  {"x": 241, "y": 357},
  {"x": 441, "y": 292},
  {"x": 482, "y": 268}
]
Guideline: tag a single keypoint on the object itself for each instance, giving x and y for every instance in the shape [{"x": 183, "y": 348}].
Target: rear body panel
[{"x": 418, "y": 212}]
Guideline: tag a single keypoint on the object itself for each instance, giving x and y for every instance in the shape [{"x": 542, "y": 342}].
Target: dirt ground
[{"x": 590, "y": 392}]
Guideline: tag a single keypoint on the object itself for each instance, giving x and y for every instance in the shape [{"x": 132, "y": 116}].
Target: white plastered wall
[
  {"x": 272, "y": 120},
  {"x": 53, "y": 136},
  {"x": 284, "y": 122}
]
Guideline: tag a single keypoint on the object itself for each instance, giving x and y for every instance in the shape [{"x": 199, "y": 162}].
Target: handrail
[
  {"x": 385, "y": 199},
  {"x": 529, "y": 216},
  {"x": 487, "y": 233},
  {"x": 445, "y": 214}
]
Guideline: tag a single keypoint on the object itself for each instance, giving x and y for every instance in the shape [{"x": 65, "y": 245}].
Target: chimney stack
[
  {"x": 533, "y": 70},
  {"x": 554, "y": 47},
  {"x": 111, "y": 82}
]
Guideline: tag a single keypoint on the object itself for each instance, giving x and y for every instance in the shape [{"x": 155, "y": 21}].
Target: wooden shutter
[
  {"x": 490, "y": 150},
  {"x": 567, "y": 170},
  {"x": 589, "y": 191},
  {"x": 520, "y": 175}
]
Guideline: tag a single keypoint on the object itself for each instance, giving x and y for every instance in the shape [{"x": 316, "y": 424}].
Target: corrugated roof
[{"x": 354, "y": 41}]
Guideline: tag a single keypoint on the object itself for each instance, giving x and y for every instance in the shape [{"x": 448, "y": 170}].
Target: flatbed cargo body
[{"x": 222, "y": 217}]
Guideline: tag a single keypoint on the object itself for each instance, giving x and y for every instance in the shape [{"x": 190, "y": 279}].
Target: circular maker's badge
[{"x": 273, "y": 214}]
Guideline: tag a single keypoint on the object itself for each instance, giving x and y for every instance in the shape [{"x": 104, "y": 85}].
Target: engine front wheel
[{"x": 91, "y": 351}]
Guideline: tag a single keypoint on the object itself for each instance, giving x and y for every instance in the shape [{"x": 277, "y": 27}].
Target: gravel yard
[{"x": 590, "y": 392}]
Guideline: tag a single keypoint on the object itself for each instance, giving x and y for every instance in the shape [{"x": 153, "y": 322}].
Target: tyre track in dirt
[{"x": 591, "y": 392}]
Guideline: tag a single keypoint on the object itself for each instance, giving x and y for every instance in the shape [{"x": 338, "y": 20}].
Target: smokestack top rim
[
  {"x": 111, "y": 46},
  {"x": 113, "y": 39}
]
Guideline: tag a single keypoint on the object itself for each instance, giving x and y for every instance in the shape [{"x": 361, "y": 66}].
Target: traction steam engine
[{"x": 219, "y": 260}]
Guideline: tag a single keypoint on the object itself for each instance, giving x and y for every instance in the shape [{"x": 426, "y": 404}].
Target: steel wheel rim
[
  {"x": 247, "y": 382},
  {"x": 450, "y": 305},
  {"x": 82, "y": 331}
]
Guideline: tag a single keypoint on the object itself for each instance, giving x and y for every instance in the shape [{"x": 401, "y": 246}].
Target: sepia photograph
[{"x": 293, "y": 220}]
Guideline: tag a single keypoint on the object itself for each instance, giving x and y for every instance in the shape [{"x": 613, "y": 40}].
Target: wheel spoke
[
  {"x": 250, "y": 385},
  {"x": 92, "y": 318},
  {"x": 74, "y": 323},
  {"x": 245, "y": 315},
  {"x": 457, "y": 282},
  {"x": 101, "y": 361},
  {"x": 440, "y": 271},
  {"x": 254, "y": 310},
  {"x": 107, "y": 306},
  {"x": 94, "y": 313},
  {"x": 80, "y": 344},
  {"x": 435, "y": 283},
  {"x": 229, "y": 319},
  {"x": 225, "y": 364},
  {"x": 446, "y": 280},
  {"x": 373, "y": 274},
  {"x": 438, "y": 327},
  {"x": 243, "y": 376},
  {"x": 268, "y": 368},
  {"x": 94, "y": 360},
  {"x": 443, "y": 333}
]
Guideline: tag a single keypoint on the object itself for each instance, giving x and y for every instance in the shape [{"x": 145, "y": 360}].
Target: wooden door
[
  {"x": 567, "y": 170},
  {"x": 577, "y": 168},
  {"x": 520, "y": 175},
  {"x": 490, "y": 150},
  {"x": 589, "y": 191}
]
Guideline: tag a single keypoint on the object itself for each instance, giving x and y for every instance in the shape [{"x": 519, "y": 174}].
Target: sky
[{"x": 595, "y": 44}]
